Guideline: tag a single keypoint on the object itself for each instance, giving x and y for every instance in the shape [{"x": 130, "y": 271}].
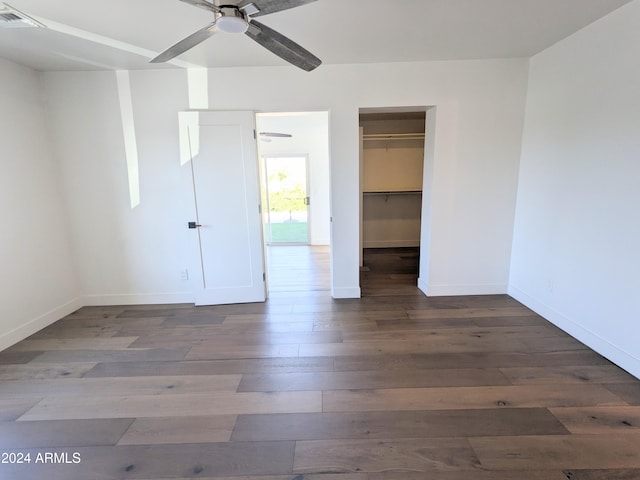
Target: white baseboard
[
  {"x": 348, "y": 292},
  {"x": 138, "y": 299},
  {"x": 423, "y": 286},
  {"x": 623, "y": 359},
  {"x": 454, "y": 290},
  {"x": 18, "y": 334}
]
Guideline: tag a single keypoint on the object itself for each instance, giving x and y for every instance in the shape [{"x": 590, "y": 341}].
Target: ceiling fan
[
  {"x": 240, "y": 19},
  {"x": 267, "y": 136}
]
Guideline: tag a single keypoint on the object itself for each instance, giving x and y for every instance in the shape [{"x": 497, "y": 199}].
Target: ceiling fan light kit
[
  {"x": 238, "y": 19},
  {"x": 231, "y": 20}
]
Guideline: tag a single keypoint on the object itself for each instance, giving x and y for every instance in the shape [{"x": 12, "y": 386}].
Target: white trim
[
  {"x": 451, "y": 290},
  {"x": 138, "y": 299},
  {"x": 605, "y": 348},
  {"x": 346, "y": 292},
  {"x": 423, "y": 286},
  {"x": 23, "y": 331}
]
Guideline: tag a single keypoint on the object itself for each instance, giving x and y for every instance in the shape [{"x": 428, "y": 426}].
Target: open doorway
[
  {"x": 286, "y": 199},
  {"x": 392, "y": 160},
  {"x": 294, "y": 171}
]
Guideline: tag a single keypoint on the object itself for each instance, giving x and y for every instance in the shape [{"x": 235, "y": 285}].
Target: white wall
[
  {"x": 576, "y": 255},
  {"x": 137, "y": 254},
  {"x": 37, "y": 284},
  {"x": 310, "y": 132},
  {"x": 125, "y": 255}
]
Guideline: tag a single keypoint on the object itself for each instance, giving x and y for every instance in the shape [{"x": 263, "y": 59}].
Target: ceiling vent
[{"x": 12, "y": 18}]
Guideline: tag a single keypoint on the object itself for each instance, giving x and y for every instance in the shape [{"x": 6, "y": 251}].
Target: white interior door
[{"x": 227, "y": 260}]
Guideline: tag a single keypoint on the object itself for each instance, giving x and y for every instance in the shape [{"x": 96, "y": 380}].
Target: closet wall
[{"x": 392, "y": 159}]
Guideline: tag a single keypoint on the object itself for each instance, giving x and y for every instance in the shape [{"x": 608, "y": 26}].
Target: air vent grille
[
  {"x": 9, "y": 17},
  {"x": 12, "y": 18}
]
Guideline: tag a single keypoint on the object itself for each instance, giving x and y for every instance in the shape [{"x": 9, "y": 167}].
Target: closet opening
[{"x": 392, "y": 166}]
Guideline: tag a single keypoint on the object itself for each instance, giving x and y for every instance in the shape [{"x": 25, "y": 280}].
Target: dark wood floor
[
  {"x": 304, "y": 387},
  {"x": 389, "y": 271}
]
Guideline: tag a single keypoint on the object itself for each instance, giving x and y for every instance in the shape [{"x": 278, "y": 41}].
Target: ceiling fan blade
[
  {"x": 282, "y": 46},
  {"x": 202, "y": 4},
  {"x": 265, "y": 7},
  {"x": 276, "y": 134},
  {"x": 186, "y": 43}
]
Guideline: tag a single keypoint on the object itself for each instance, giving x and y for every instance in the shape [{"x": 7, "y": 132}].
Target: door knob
[{"x": 194, "y": 225}]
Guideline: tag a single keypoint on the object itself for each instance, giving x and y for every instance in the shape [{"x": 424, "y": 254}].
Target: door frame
[{"x": 430, "y": 113}]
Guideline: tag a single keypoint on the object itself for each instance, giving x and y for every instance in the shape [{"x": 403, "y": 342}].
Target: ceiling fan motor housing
[{"x": 231, "y": 20}]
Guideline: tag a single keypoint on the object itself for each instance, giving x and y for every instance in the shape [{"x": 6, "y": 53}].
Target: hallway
[{"x": 298, "y": 268}]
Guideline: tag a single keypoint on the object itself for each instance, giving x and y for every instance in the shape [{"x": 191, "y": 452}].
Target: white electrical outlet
[{"x": 184, "y": 275}]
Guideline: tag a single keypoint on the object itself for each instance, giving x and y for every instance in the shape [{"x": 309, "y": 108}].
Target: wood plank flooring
[
  {"x": 394, "y": 386},
  {"x": 389, "y": 271},
  {"x": 289, "y": 268}
]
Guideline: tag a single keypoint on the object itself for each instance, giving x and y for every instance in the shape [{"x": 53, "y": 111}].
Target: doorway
[
  {"x": 286, "y": 199},
  {"x": 392, "y": 160},
  {"x": 295, "y": 185}
]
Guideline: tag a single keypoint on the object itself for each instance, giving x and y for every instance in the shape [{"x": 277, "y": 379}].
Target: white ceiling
[{"x": 125, "y": 34}]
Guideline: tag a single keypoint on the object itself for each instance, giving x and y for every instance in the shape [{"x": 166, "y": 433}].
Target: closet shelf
[
  {"x": 393, "y": 136},
  {"x": 392, "y": 192}
]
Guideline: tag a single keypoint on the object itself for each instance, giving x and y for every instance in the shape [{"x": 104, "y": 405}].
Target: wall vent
[{"x": 12, "y": 18}]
